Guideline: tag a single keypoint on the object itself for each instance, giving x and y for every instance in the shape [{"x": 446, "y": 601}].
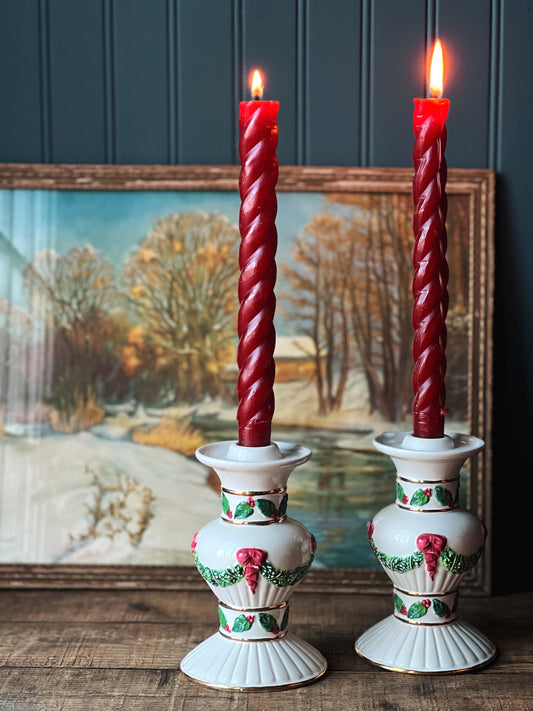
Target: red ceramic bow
[
  {"x": 431, "y": 545},
  {"x": 251, "y": 559}
]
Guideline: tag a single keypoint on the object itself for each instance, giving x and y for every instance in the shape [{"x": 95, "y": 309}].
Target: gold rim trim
[
  {"x": 447, "y": 672},
  {"x": 411, "y": 508},
  {"x": 428, "y": 481},
  {"x": 432, "y": 594},
  {"x": 253, "y": 523},
  {"x": 253, "y": 609},
  {"x": 255, "y": 493},
  {"x": 279, "y": 687},
  {"x": 426, "y": 624},
  {"x": 249, "y": 639}
]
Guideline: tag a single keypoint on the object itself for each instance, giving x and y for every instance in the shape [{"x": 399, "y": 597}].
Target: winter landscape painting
[{"x": 118, "y": 359}]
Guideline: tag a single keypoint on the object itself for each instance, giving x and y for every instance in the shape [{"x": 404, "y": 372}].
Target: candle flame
[
  {"x": 257, "y": 85},
  {"x": 437, "y": 71}
]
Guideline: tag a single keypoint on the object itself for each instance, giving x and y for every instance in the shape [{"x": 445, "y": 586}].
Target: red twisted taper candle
[
  {"x": 257, "y": 336},
  {"x": 431, "y": 269}
]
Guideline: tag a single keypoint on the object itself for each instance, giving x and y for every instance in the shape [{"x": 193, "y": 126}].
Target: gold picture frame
[{"x": 474, "y": 188}]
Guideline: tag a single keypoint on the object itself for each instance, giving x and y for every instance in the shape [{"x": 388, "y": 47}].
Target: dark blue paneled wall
[{"x": 158, "y": 81}]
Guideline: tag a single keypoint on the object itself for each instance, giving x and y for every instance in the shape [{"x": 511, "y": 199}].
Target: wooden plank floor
[{"x": 120, "y": 650}]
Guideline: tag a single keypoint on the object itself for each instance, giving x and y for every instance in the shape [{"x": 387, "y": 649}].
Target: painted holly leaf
[
  {"x": 416, "y": 610},
  {"x": 282, "y": 508},
  {"x": 243, "y": 510},
  {"x": 222, "y": 618},
  {"x": 441, "y": 608},
  {"x": 442, "y": 495},
  {"x": 400, "y": 493},
  {"x": 419, "y": 498},
  {"x": 241, "y": 624},
  {"x": 285, "y": 620},
  {"x": 267, "y": 622},
  {"x": 398, "y": 602},
  {"x": 266, "y": 507},
  {"x": 225, "y": 503}
]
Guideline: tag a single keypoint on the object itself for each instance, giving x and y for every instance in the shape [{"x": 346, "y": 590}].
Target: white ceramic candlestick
[
  {"x": 426, "y": 544},
  {"x": 252, "y": 558}
]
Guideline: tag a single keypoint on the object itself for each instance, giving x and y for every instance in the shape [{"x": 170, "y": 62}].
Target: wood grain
[
  {"x": 73, "y": 650},
  {"x": 168, "y": 690}
]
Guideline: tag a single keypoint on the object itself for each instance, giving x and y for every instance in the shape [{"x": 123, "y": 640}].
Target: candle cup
[
  {"x": 252, "y": 558},
  {"x": 427, "y": 544}
]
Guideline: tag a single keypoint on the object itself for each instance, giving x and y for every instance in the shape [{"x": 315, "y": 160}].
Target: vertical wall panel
[
  {"x": 513, "y": 374},
  {"x": 205, "y": 100},
  {"x": 270, "y": 43},
  {"x": 140, "y": 59},
  {"x": 397, "y": 76},
  {"x": 465, "y": 33},
  {"x": 77, "y": 128},
  {"x": 333, "y": 82},
  {"x": 20, "y": 114}
]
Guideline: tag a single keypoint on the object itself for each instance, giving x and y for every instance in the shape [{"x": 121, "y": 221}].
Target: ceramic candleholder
[
  {"x": 252, "y": 558},
  {"x": 426, "y": 543}
]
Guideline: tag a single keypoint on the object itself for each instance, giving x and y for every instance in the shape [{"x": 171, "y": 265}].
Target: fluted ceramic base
[
  {"x": 425, "y": 649},
  {"x": 254, "y": 666}
]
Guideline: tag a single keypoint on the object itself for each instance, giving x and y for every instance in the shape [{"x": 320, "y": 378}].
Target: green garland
[
  {"x": 284, "y": 578},
  {"x": 458, "y": 563},
  {"x": 399, "y": 564},
  {"x": 229, "y": 576},
  {"x": 219, "y": 578}
]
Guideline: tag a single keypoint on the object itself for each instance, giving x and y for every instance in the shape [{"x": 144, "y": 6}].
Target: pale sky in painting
[{"x": 115, "y": 222}]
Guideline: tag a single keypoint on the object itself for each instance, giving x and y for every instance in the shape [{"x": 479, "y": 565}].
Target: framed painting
[{"x": 118, "y": 304}]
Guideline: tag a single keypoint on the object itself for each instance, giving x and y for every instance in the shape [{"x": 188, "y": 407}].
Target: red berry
[
  {"x": 403, "y": 611},
  {"x": 194, "y": 541},
  {"x": 370, "y": 528},
  {"x": 275, "y": 629},
  {"x": 250, "y": 501},
  {"x": 426, "y": 603},
  {"x": 428, "y": 492},
  {"x": 250, "y": 618},
  {"x": 229, "y": 513},
  {"x": 405, "y": 500}
]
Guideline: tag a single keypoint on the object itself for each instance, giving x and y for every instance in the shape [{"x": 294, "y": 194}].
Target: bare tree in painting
[
  {"x": 458, "y": 320},
  {"x": 350, "y": 284},
  {"x": 380, "y": 252},
  {"x": 75, "y": 295},
  {"x": 182, "y": 283},
  {"x": 382, "y": 302},
  {"x": 319, "y": 296}
]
